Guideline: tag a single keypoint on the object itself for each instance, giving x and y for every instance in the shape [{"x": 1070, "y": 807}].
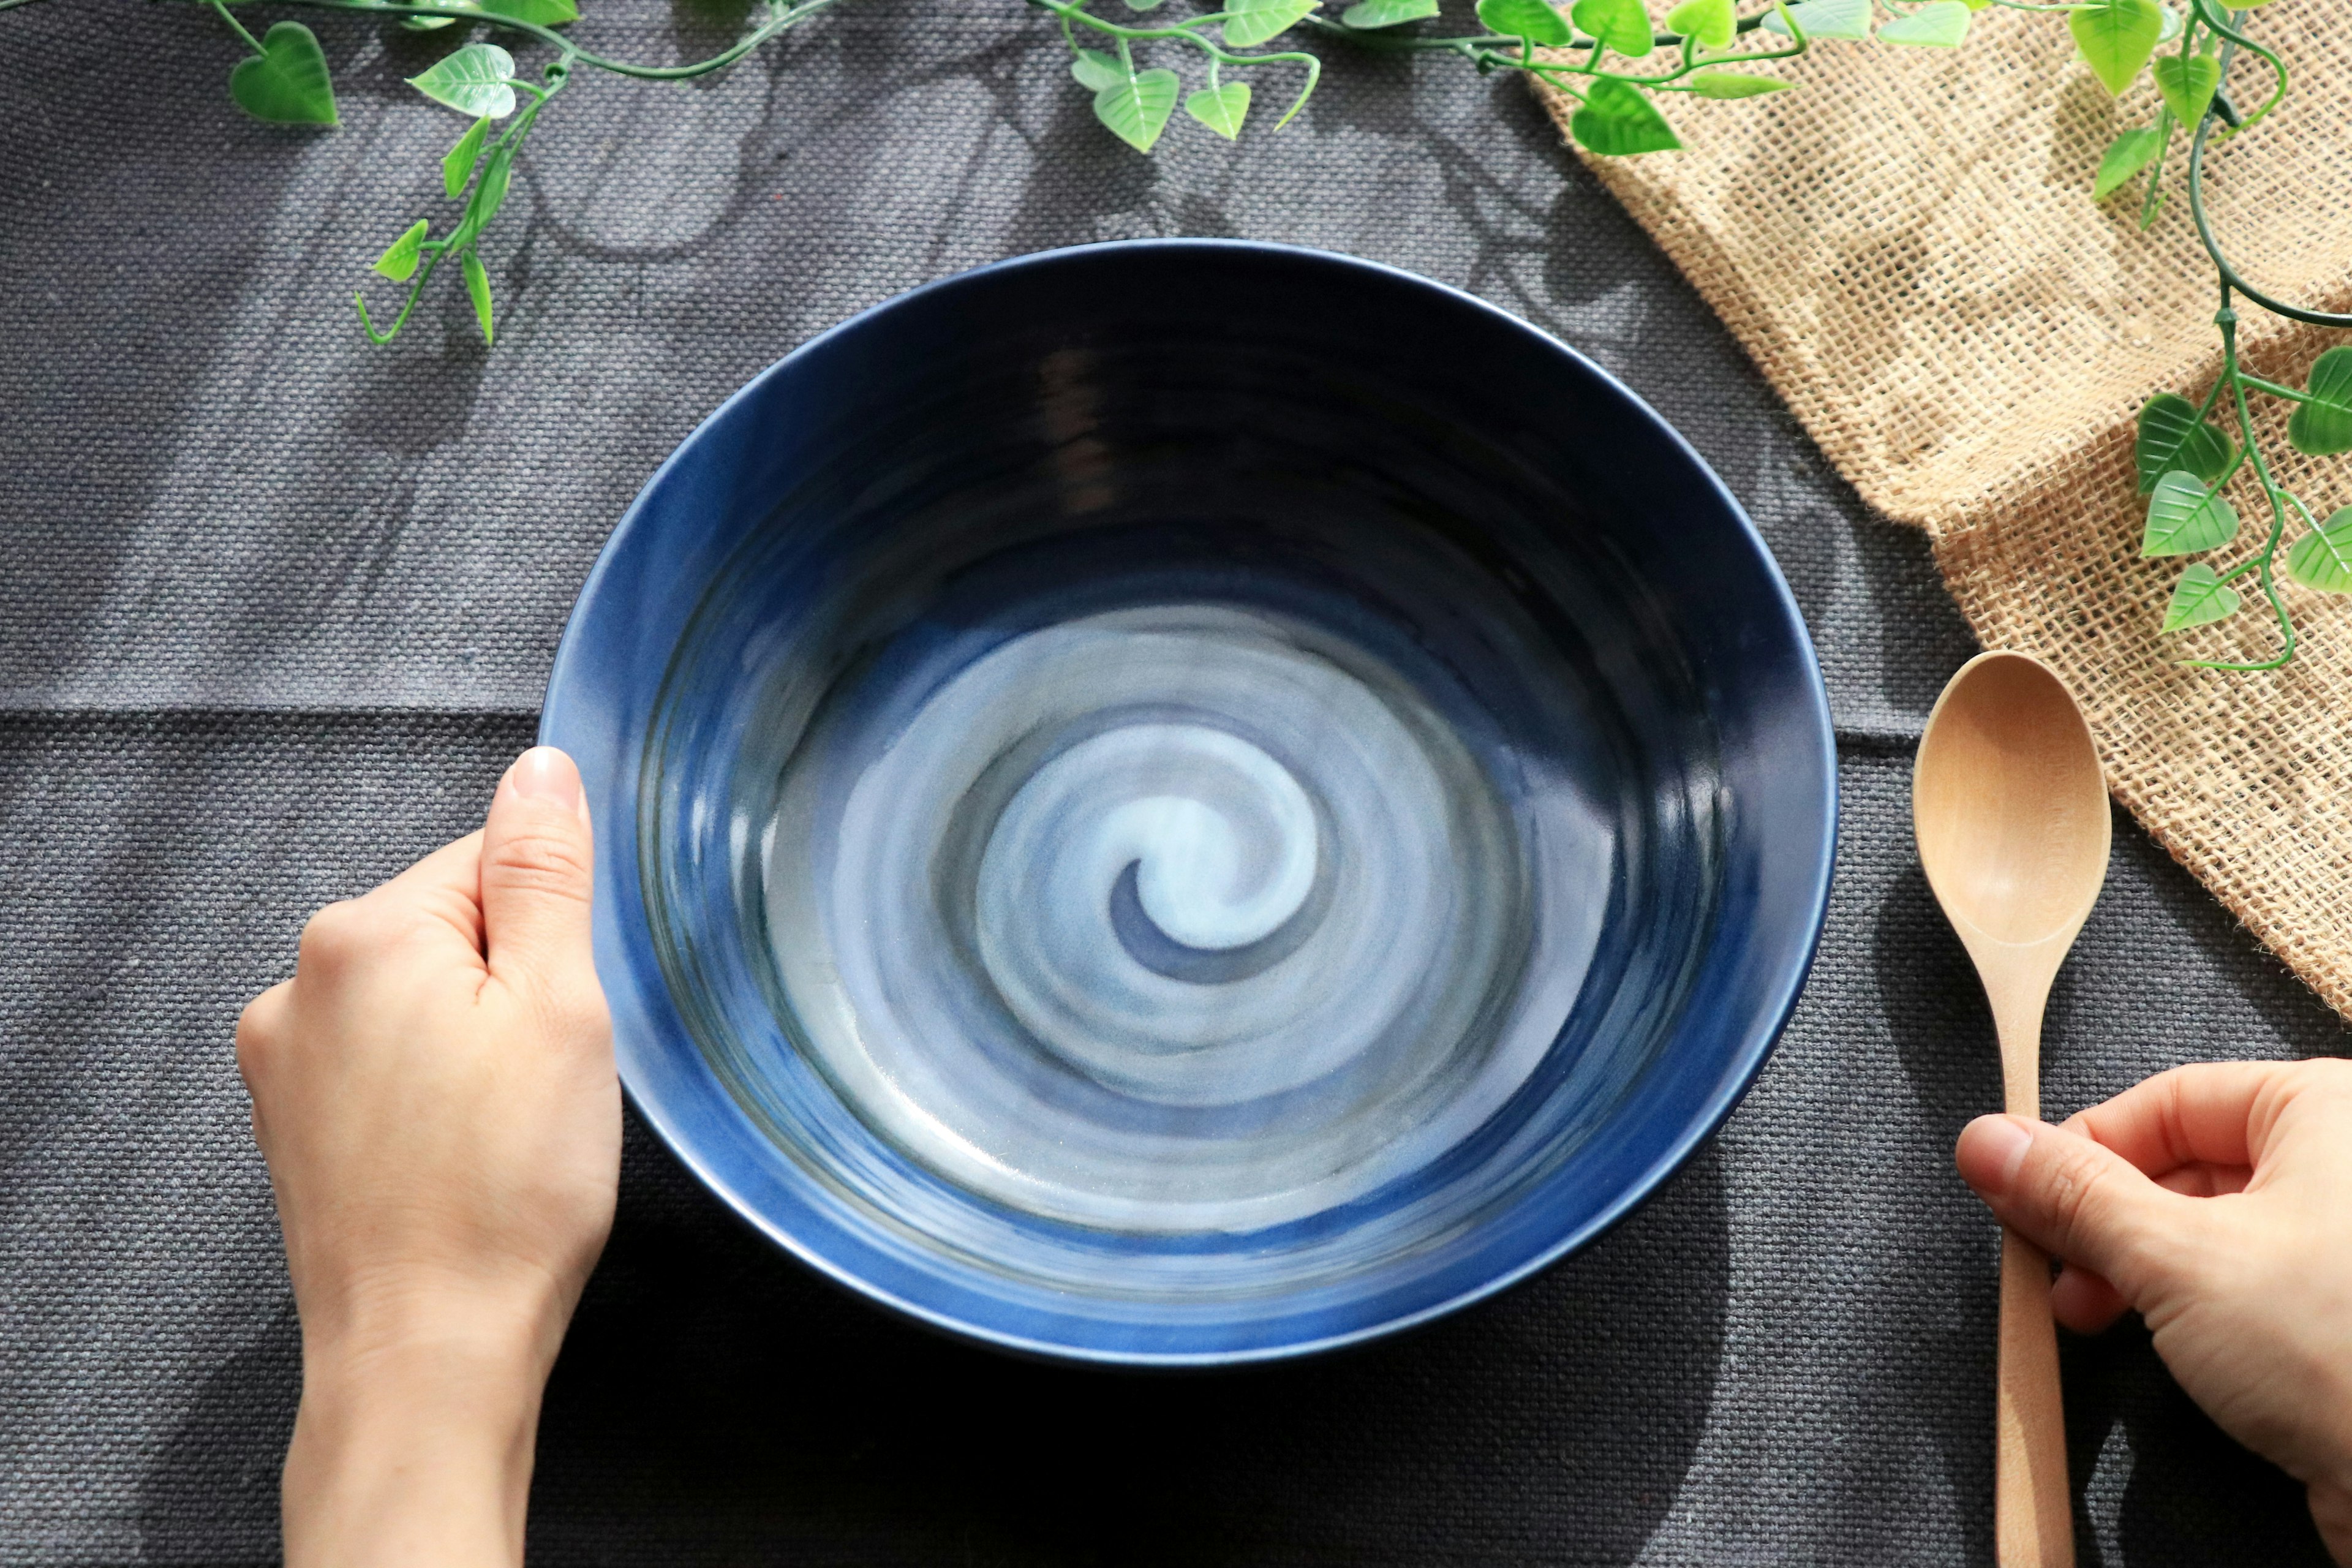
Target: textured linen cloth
[{"x": 276, "y": 608}]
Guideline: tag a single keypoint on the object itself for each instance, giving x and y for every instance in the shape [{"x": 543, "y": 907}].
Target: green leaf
[
  {"x": 1622, "y": 25},
  {"x": 1848, "y": 19},
  {"x": 1220, "y": 110},
  {"x": 2322, "y": 558},
  {"x": 1142, "y": 5},
  {"x": 1940, "y": 26},
  {"x": 2198, "y": 599},
  {"x": 1366, "y": 15},
  {"x": 1711, "y": 22},
  {"x": 477, "y": 288},
  {"x": 2323, "y": 425},
  {"x": 287, "y": 83},
  {"x": 1096, "y": 71},
  {"x": 1531, "y": 19},
  {"x": 1137, "y": 109},
  {"x": 2117, "y": 36},
  {"x": 2184, "y": 517},
  {"x": 2127, "y": 156},
  {"x": 2187, "y": 82},
  {"x": 2173, "y": 437},
  {"x": 431, "y": 24},
  {"x": 1251, "y": 22},
  {"x": 543, "y": 13},
  {"x": 458, "y": 166},
  {"x": 489, "y": 196},
  {"x": 1735, "y": 84},
  {"x": 472, "y": 81},
  {"x": 399, "y": 260},
  {"x": 1618, "y": 121}
]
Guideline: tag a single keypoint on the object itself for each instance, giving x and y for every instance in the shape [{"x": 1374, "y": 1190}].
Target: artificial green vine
[
  {"x": 2185, "y": 462},
  {"x": 1603, "y": 54}
]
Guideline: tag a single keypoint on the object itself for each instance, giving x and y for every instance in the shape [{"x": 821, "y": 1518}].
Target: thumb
[
  {"x": 539, "y": 876},
  {"x": 2077, "y": 1200}
]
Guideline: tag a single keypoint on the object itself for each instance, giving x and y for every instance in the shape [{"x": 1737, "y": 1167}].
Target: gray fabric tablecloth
[{"x": 276, "y": 609}]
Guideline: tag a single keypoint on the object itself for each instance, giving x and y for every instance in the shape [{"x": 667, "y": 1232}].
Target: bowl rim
[{"x": 1770, "y": 1019}]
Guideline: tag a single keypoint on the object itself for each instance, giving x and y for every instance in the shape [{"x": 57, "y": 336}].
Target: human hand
[
  {"x": 2216, "y": 1201},
  {"x": 435, "y": 1094}
]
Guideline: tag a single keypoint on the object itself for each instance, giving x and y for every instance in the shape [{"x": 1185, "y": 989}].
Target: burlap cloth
[{"x": 1907, "y": 246}]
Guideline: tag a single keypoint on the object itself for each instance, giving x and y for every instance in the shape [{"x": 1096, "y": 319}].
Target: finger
[
  {"x": 2078, "y": 1200},
  {"x": 2202, "y": 1181},
  {"x": 448, "y": 884},
  {"x": 2202, "y": 1114},
  {"x": 260, "y": 1026},
  {"x": 539, "y": 877},
  {"x": 2085, "y": 1303}
]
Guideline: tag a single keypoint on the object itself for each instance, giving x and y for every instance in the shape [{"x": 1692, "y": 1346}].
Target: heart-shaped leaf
[
  {"x": 2117, "y": 36},
  {"x": 1096, "y": 71},
  {"x": 1531, "y": 19},
  {"x": 1620, "y": 25},
  {"x": 1222, "y": 109},
  {"x": 1366, "y": 15},
  {"x": 399, "y": 260},
  {"x": 2187, "y": 82},
  {"x": 1735, "y": 84},
  {"x": 2198, "y": 599},
  {"x": 2184, "y": 517},
  {"x": 287, "y": 83},
  {"x": 1848, "y": 19},
  {"x": 2322, "y": 559},
  {"x": 1251, "y": 22},
  {"x": 457, "y": 167},
  {"x": 472, "y": 81},
  {"x": 2172, "y": 436},
  {"x": 1713, "y": 23},
  {"x": 1940, "y": 26},
  {"x": 1137, "y": 109},
  {"x": 2127, "y": 156},
  {"x": 1618, "y": 121},
  {"x": 2323, "y": 425},
  {"x": 478, "y": 288}
]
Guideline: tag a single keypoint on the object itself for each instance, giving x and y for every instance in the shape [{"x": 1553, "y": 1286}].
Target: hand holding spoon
[{"x": 2011, "y": 814}]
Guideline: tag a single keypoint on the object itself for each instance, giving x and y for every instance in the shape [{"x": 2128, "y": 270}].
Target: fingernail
[
  {"x": 545, "y": 773},
  {"x": 2001, "y": 1142}
]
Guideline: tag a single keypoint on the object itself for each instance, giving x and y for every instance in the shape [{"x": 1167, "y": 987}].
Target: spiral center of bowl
[{"x": 1184, "y": 917}]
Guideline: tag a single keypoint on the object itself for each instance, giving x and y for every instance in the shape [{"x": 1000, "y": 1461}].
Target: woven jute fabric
[{"x": 1907, "y": 246}]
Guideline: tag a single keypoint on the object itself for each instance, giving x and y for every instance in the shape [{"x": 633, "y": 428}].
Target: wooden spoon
[{"x": 2011, "y": 814}]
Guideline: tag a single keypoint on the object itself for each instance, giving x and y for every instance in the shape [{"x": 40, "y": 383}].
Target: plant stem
[
  {"x": 2273, "y": 387},
  {"x": 238, "y": 28},
  {"x": 2226, "y": 319},
  {"x": 776, "y": 23}
]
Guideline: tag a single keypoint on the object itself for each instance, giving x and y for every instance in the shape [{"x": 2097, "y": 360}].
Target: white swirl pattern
[{"x": 1186, "y": 918}]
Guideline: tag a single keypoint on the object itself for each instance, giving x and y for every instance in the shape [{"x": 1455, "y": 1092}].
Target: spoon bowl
[{"x": 2009, "y": 804}]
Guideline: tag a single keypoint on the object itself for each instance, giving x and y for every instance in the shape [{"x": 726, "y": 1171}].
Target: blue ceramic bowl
[{"x": 1187, "y": 801}]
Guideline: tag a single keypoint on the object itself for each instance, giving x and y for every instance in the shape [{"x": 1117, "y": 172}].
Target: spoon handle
[{"x": 2033, "y": 1523}]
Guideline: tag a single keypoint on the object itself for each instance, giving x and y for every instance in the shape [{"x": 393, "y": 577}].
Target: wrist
[{"x": 414, "y": 1438}]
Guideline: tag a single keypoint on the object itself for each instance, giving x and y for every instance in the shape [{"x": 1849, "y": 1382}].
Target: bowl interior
[{"x": 1187, "y": 801}]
